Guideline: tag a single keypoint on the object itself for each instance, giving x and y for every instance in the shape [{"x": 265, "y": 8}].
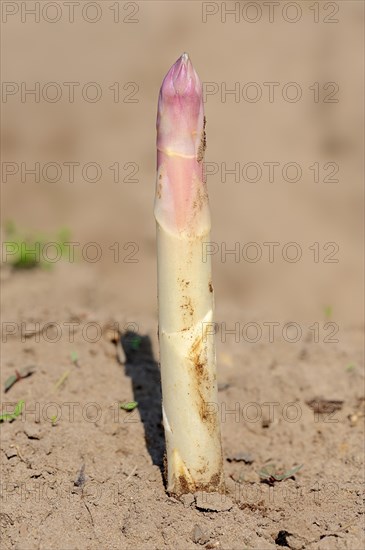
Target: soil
[{"x": 77, "y": 470}]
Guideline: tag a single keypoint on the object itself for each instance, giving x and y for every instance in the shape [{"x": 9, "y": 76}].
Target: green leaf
[
  {"x": 270, "y": 472},
  {"x": 25, "y": 241},
  {"x": 129, "y": 406},
  {"x": 10, "y": 228},
  {"x": 136, "y": 342},
  {"x": 11, "y": 416},
  {"x": 64, "y": 235},
  {"x": 22, "y": 373},
  {"x": 328, "y": 310},
  {"x": 18, "y": 409},
  {"x": 10, "y": 382},
  {"x": 288, "y": 473}
]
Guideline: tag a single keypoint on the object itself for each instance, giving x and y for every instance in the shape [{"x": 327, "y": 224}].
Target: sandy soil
[{"x": 79, "y": 472}]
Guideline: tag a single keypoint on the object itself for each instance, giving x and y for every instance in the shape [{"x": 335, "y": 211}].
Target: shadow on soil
[{"x": 143, "y": 369}]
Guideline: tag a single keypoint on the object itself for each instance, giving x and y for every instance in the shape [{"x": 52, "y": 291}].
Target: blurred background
[{"x": 291, "y": 128}]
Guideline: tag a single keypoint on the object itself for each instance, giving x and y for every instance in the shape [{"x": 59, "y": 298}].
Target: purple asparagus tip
[{"x": 180, "y": 145}]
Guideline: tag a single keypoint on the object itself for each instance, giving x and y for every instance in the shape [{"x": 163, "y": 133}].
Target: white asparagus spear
[{"x": 185, "y": 292}]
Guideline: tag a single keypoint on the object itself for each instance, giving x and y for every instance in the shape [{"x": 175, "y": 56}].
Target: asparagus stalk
[{"x": 185, "y": 292}]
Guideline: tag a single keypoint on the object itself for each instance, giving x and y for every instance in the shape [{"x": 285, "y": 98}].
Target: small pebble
[
  {"x": 187, "y": 500},
  {"x": 252, "y": 477},
  {"x": 32, "y": 432},
  {"x": 294, "y": 542},
  {"x": 197, "y": 535},
  {"x": 10, "y": 453},
  {"x": 353, "y": 418},
  {"x": 265, "y": 422}
]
